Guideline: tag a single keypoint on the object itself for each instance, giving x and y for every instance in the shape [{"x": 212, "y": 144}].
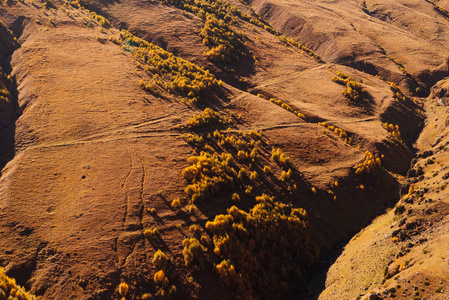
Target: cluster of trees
[
  {"x": 227, "y": 161},
  {"x": 9, "y": 289},
  {"x": 5, "y": 86},
  {"x": 262, "y": 250},
  {"x": 398, "y": 94},
  {"x": 207, "y": 117},
  {"x": 393, "y": 130},
  {"x": 369, "y": 165},
  {"x": 209, "y": 174},
  {"x": 299, "y": 46},
  {"x": 338, "y": 131},
  {"x": 354, "y": 91},
  {"x": 287, "y": 107},
  {"x": 225, "y": 45},
  {"x": 101, "y": 20},
  {"x": 169, "y": 72},
  {"x": 161, "y": 280}
]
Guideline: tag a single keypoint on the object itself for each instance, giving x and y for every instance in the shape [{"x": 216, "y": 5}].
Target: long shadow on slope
[
  {"x": 360, "y": 210},
  {"x": 8, "y": 117},
  {"x": 7, "y": 144}
]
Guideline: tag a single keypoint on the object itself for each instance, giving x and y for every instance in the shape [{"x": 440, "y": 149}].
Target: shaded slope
[{"x": 402, "y": 254}]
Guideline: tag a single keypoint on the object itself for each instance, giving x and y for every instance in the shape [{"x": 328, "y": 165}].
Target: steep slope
[
  {"x": 383, "y": 38},
  {"x": 403, "y": 254},
  {"x": 8, "y": 96},
  {"x": 101, "y": 178}
]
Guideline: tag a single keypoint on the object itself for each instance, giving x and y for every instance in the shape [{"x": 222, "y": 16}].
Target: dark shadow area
[
  {"x": 18, "y": 26},
  {"x": 23, "y": 272},
  {"x": 311, "y": 288},
  {"x": 8, "y": 118},
  {"x": 9, "y": 109},
  {"x": 7, "y": 144}
]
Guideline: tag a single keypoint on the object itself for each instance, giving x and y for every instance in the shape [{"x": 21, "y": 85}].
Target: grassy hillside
[{"x": 173, "y": 149}]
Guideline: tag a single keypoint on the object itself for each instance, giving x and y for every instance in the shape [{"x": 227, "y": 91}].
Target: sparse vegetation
[
  {"x": 393, "y": 130},
  {"x": 338, "y": 131},
  {"x": 444, "y": 12},
  {"x": 5, "y": 88},
  {"x": 160, "y": 259},
  {"x": 398, "y": 94},
  {"x": 123, "y": 289},
  {"x": 151, "y": 233},
  {"x": 354, "y": 91},
  {"x": 287, "y": 107},
  {"x": 299, "y": 46},
  {"x": 10, "y": 42}
]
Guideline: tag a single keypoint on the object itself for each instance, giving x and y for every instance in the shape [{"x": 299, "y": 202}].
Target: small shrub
[
  {"x": 123, "y": 289},
  {"x": 278, "y": 156},
  {"x": 151, "y": 233},
  {"x": 160, "y": 259},
  {"x": 285, "y": 175},
  {"x": 254, "y": 175},
  {"x": 160, "y": 278},
  {"x": 193, "y": 209},
  {"x": 172, "y": 291},
  {"x": 176, "y": 203},
  {"x": 235, "y": 198}
]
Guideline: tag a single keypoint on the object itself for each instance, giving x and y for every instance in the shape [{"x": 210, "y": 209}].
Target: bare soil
[{"x": 88, "y": 153}]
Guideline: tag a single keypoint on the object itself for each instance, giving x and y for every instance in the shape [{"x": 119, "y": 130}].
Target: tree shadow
[{"x": 8, "y": 117}]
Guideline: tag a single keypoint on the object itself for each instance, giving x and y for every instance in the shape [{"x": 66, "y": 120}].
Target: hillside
[{"x": 173, "y": 149}]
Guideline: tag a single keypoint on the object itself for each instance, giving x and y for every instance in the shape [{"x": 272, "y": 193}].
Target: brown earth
[
  {"x": 92, "y": 153},
  {"x": 403, "y": 254}
]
